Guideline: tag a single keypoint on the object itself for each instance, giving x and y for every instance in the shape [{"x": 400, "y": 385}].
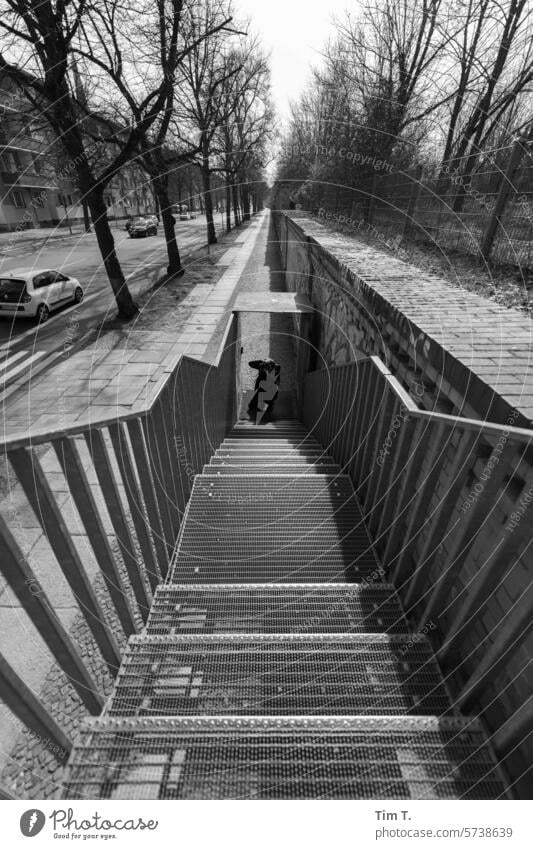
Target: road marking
[
  {"x": 21, "y": 366},
  {"x": 12, "y": 359},
  {"x": 16, "y": 387},
  {"x": 50, "y": 321}
]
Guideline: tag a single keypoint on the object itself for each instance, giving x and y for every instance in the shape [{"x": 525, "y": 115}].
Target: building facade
[{"x": 37, "y": 186}]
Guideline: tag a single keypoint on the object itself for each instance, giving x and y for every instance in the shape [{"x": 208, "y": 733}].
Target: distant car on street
[
  {"x": 34, "y": 293},
  {"x": 143, "y": 226}
]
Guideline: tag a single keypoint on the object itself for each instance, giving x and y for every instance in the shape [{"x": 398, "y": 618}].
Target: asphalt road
[{"x": 23, "y": 345}]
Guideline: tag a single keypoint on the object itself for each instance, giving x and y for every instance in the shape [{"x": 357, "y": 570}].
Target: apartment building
[{"x": 37, "y": 187}]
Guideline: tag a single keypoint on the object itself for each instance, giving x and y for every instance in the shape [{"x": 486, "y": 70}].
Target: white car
[{"x": 35, "y": 293}]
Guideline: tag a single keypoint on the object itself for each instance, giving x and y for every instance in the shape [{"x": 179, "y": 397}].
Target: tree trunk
[
  {"x": 245, "y": 202},
  {"x": 127, "y": 308},
  {"x": 235, "y": 193},
  {"x": 208, "y": 200},
  {"x": 174, "y": 266},
  {"x": 228, "y": 207},
  {"x": 86, "y": 217}
]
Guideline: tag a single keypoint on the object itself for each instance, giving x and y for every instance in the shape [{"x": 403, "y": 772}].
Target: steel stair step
[
  {"x": 278, "y": 758},
  {"x": 277, "y": 674},
  {"x": 267, "y": 608},
  {"x": 271, "y": 459},
  {"x": 293, "y": 470},
  {"x": 263, "y": 570}
]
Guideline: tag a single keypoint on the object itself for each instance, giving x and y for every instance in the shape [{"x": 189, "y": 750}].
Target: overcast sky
[{"x": 293, "y": 31}]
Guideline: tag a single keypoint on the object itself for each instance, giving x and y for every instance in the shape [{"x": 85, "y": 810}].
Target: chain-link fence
[{"x": 488, "y": 214}]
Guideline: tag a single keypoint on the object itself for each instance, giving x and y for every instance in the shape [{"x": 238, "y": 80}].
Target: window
[
  {"x": 108, "y": 200},
  {"x": 38, "y": 200},
  {"x": 58, "y": 277},
  {"x": 11, "y": 160},
  {"x": 18, "y": 199},
  {"x": 36, "y": 164},
  {"x": 43, "y": 279},
  {"x": 11, "y": 291}
]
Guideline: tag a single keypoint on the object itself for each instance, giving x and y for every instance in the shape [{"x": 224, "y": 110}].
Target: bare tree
[
  {"x": 171, "y": 34},
  {"x": 203, "y": 77}
]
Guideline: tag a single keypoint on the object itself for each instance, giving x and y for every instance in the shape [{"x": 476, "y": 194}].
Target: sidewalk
[
  {"x": 38, "y": 236},
  {"x": 121, "y": 372}
]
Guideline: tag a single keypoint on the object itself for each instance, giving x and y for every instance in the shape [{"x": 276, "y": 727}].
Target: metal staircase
[{"x": 275, "y": 663}]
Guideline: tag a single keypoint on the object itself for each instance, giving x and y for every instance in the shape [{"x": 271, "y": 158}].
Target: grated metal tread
[
  {"x": 271, "y": 459},
  {"x": 274, "y": 758},
  {"x": 273, "y": 528},
  {"x": 277, "y": 674},
  {"x": 271, "y": 609},
  {"x": 278, "y": 468}
]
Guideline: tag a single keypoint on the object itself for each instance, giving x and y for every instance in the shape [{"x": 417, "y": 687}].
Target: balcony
[{"x": 28, "y": 180}]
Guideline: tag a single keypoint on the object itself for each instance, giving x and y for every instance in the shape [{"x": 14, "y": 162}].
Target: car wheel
[
  {"x": 78, "y": 295},
  {"x": 42, "y": 314}
]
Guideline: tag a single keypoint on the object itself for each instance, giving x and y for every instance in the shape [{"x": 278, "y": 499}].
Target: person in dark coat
[{"x": 266, "y": 388}]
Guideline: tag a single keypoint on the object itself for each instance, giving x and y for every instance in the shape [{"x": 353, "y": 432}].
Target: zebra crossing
[{"x": 14, "y": 366}]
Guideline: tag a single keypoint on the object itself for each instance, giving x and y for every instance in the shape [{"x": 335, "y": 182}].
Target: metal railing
[
  {"x": 114, "y": 490},
  {"x": 439, "y": 494}
]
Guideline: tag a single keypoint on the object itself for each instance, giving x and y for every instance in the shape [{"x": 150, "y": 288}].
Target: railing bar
[
  {"x": 435, "y": 458},
  {"x": 401, "y": 454},
  {"x": 443, "y": 511},
  {"x": 140, "y": 453},
  {"x": 350, "y": 411},
  {"x": 488, "y": 577},
  {"x": 70, "y": 462},
  {"x": 340, "y": 422},
  {"x": 22, "y": 581},
  {"x": 515, "y": 729},
  {"x": 29, "y": 710},
  {"x": 393, "y": 409},
  {"x": 108, "y": 485},
  {"x": 386, "y": 418},
  {"x": 370, "y": 411},
  {"x": 463, "y": 542},
  {"x": 518, "y": 626},
  {"x": 153, "y": 455},
  {"x": 360, "y": 399},
  {"x": 169, "y": 461},
  {"x": 135, "y": 501},
  {"x": 179, "y": 467},
  {"x": 38, "y": 492},
  {"x": 417, "y": 448}
]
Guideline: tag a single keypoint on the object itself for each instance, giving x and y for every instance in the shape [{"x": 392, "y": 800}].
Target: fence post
[
  {"x": 371, "y": 199},
  {"x": 408, "y": 227},
  {"x": 504, "y": 192}
]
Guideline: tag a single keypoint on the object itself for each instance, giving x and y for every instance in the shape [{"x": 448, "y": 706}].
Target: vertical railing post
[
  {"x": 109, "y": 488},
  {"x": 22, "y": 581},
  {"x": 38, "y": 492},
  {"x": 70, "y": 462},
  {"x": 29, "y": 710},
  {"x": 135, "y": 501}
]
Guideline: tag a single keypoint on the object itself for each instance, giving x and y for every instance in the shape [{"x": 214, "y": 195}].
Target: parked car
[
  {"x": 35, "y": 293},
  {"x": 184, "y": 216},
  {"x": 143, "y": 226}
]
